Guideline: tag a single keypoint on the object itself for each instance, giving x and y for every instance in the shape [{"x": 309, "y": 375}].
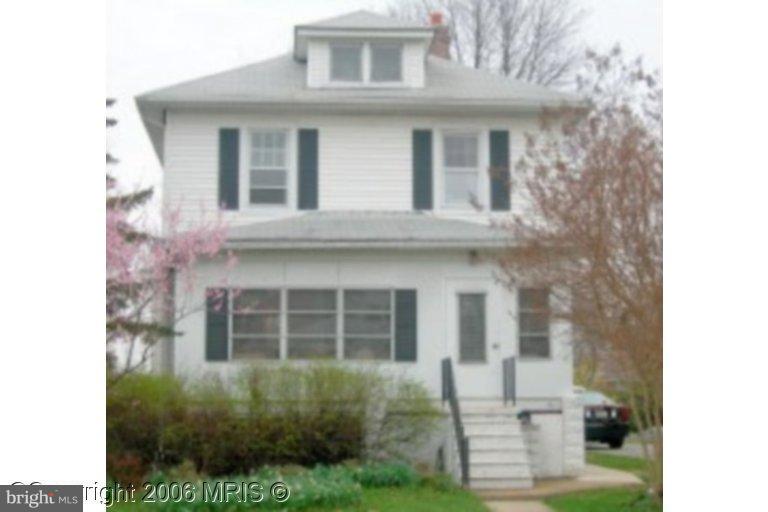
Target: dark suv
[{"x": 604, "y": 420}]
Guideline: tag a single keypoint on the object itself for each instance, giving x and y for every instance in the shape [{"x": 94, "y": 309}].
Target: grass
[
  {"x": 621, "y": 462},
  {"x": 604, "y": 500},
  {"x": 609, "y": 500},
  {"x": 418, "y": 499},
  {"x": 410, "y": 499}
]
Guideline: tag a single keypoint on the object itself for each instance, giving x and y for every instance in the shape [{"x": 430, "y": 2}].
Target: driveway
[{"x": 630, "y": 449}]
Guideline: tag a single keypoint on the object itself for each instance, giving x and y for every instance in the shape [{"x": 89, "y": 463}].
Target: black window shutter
[
  {"x": 308, "y": 172},
  {"x": 422, "y": 169},
  {"x": 500, "y": 174},
  {"x": 405, "y": 325},
  {"x": 229, "y": 167},
  {"x": 216, "y": 325}
]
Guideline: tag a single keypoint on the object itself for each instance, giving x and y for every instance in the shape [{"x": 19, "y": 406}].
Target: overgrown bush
[
  {"x": 318, "y": 414},
  {"x": 139, "y": 410}
]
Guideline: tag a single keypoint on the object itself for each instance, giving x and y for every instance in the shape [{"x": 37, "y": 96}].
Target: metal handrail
[
  {"x": 509, "y": 380},
  {"x": 449, "y": 395}
]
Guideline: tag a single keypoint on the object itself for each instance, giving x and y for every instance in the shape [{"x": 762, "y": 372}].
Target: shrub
[
  {"x": 139, "y": 408},
  {"x": 317, "y": 414}
]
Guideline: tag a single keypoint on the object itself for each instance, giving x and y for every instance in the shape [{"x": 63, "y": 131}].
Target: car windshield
[{"x": 595, "y": 398}]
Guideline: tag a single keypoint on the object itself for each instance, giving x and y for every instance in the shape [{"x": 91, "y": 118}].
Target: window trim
[
  {"x": 366, "y": 64},
  {"x": 520, "y": 332},
  {"x": 249, "y": 167},
  {"x": 291, "y": 132},
  {"x": 231, "y": 324},
  {"x": 401, "y": 50},
  {"x": 347, "y": 44},
  {"x": 287, "y": 312},
  {"x": 339, "y": 334},
  {"x": 342, "y": 325},
  {"x": 443, "y": 170}
]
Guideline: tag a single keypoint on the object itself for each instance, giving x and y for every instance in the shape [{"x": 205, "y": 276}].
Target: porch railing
[
  {"x": 450, "y": 396},
  {"x": 509, "y": 380}
]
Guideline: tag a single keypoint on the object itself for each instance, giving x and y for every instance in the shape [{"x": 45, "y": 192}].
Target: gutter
[{"x": 364, "y": 244}]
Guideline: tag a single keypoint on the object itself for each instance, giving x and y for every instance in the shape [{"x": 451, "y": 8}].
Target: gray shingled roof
[
  {"x": 328, "y": 230},
  {"x": 281, "y": 81},
  {"x": 364, "y": 20}
]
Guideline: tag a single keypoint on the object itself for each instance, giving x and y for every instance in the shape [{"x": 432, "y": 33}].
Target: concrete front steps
[{"x": 498, "y": 455}]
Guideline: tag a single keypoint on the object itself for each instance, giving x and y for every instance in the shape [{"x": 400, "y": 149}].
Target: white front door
[{"x": 475, "y": 318}]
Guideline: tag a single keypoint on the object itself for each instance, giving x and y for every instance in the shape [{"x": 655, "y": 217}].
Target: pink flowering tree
[{"x": 143, "y": 270}]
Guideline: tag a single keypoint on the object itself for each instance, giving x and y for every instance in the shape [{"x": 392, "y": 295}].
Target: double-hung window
[
  {"x": 268, "y": 169},
  {"x": 347, "y": 62},
  {"x": 368, "y": 324},
  {"x": 461, "y": 169},
  {"x": 311, "y": 324},
  {"x": 533, "y": 322},
  {"x": 256, "y": 324}
]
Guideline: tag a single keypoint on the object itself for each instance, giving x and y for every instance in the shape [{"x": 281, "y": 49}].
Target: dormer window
[
  {"x": 347, "y": 62},
  {"x": 386, "y": 62},
  {"x": 366, "y": 63}
]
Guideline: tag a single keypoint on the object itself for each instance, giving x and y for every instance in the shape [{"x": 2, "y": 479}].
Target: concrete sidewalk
[
  {"x": 517, "y": 506},
  {"x": 593, "y": 477}
]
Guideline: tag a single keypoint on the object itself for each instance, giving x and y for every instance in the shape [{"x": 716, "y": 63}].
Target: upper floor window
[
  {"x": 347, "y": 62},
  {"x": 533, "y": 322},
  {"x": 386, "y": 62},
  {"x": 462, "y": 169},
  {"x": 268, "y": 169}
]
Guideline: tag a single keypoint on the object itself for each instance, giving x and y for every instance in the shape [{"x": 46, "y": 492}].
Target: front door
[{"x": 474, "y": 338}]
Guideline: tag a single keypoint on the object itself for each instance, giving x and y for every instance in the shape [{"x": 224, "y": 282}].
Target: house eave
[{"x": 280, "y": 244}]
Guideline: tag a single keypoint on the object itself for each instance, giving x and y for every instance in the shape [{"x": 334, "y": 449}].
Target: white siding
[
  {"x": 365, "y": 161},
  {"x": 433, "y": 274}
]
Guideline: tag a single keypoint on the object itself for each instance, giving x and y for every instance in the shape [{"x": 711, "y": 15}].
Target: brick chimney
[{"x": 441, "y": 41}]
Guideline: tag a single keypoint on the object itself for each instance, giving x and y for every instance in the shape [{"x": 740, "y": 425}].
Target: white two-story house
[{"x": 353, "y": 173}]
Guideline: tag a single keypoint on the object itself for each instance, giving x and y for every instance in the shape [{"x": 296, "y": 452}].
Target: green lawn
[
  {"x": 622, "y": 462},
  {"x": 605, "y": 500},
  {"x": 608, "y": 500},
  {"x": 391, "y": 499},
  {"x": 418, "y": 499}
]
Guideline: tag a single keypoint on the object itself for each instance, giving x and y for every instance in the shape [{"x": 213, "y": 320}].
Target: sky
[{"x": 155, "y": 43}]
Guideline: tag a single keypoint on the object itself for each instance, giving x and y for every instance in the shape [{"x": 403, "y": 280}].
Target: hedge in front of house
[{"x": 318, "y": 414}]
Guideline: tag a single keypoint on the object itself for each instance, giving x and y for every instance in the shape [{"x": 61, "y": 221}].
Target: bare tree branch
[{"x": 531, "y": 40}]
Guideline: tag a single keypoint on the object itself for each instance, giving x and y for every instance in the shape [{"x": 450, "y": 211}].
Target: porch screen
[
  {"x": 311, "y": 324},
  {"x": 256, "y": 324},
  {"x": 368, "y": 324},
  {"x": 471, "y": 327}
]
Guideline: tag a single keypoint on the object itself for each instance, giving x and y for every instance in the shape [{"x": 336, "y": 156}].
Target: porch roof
[{"x": 366, "y": 229}]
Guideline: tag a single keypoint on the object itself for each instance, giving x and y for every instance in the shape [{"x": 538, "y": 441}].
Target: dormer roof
[
  {"x": 357, "y": 24},
  {"x": 364, "y": 20}
]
